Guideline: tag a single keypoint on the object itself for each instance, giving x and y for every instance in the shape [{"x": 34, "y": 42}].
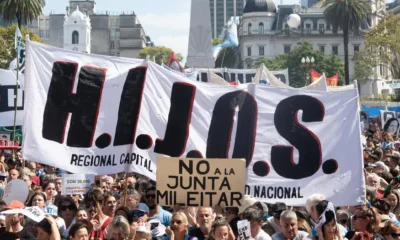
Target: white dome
[{"x": 77, "y": 15}]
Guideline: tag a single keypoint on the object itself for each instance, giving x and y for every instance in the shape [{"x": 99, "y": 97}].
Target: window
[
  {"x": 41, "y": 34},
  {"x": 335, "y": 50},
  {"x": 75, "y": 37},
  {"x": 261, "y": 28},
  {"x": 261, "y": 51},
  {"x": 322, "y": 28},
  {"x": 112, "y": 44},
  {"x": 249, "y": 29},
  {"x": 286, "y": 49},
  {"x": 322, "y": 49},
  {"x": 47, "y": 34},
  {"x": 356, "y": 48},
  {"x": 308, "y": 28},
  {"x": 248, "y": 51}
]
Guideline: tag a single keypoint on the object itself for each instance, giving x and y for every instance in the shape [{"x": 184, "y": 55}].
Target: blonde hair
[
  {"x": 119, "y": 222},
  {"x": 182, "y": 215}
]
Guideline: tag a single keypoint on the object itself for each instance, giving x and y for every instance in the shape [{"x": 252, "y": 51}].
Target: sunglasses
[
  {"x": 69, "y": 207},
  {"x": 148, "y": 196},
  {"x": 395, "y": 235},
  {"x": 343, "y": 221},
  {"x": 137, "y": 214},
  {"x": 179, "y": 222}
]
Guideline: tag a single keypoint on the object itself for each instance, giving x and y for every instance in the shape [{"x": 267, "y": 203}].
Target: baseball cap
[
  {"x": 380, "y": 164},
  {"x": 141, "y": 207},
  {"x": 15, "y": 204}
]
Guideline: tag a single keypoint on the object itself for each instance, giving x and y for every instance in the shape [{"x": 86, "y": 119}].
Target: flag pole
[{"x": 16, "y": 91}]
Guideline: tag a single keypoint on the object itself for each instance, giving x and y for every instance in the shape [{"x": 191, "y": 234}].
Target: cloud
[{"x": 178, "y": 21}]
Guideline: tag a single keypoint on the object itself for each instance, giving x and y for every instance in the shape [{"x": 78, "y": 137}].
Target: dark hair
[
  {"x": 387, "y": 124},
  {"x": 152, "y": 188},
  {"x": 389, "y": 228},
  {"x": 144, "y": 185},
  {"x": 45, "y": 226},
  {"x": 107, "y": 195},
  {"x": 276, "y": 209},
  {"x": 381, "y": 205},
  {"x": 127, "y": 212},
  {"x": 387, "y": 176},
  {"x": 34, "y": 195},
  {"x": 253, "y": 213},
  {"x": 321, "y": 206},
  {"x": 2, "y": 203},
  {"x": 94, "y": 195},
  {"x": 46, "y": 183},
  {"x": 329, "y": 215},
  {"x": 74, "y": 228},
  {"x": 70, "y": 201}
]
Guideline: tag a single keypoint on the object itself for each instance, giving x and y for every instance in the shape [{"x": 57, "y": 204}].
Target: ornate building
[
  {"x": 77, "y": 31},
  {"x": 263, "y": 32}
]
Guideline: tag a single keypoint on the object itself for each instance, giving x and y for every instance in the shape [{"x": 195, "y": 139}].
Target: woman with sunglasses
[
  {"x": 365, "y": 220},
  {"x": 327, "y": 230},
  {"x": 179, "y": 228},
  {"x": 390, "y": 231},
  {"x": 67, "y": 210}
]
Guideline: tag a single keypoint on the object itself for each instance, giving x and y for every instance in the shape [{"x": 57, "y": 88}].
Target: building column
[
  {"x": 215, "y": 18},
  {"x": 224, "y": 12}
]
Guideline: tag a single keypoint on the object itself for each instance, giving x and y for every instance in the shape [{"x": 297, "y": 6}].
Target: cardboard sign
[
  {"x": 201, "y": 182},
  {"x": 244, "y": 229},
  {"x": 76, "y": 183}
]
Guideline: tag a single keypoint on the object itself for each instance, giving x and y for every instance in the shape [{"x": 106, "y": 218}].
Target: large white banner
[
  {"x": 8, "y": 82},
  {"x": 101, "y": 115}
]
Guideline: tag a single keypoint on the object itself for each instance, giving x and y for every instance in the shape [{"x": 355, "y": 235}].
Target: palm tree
[
  {"x": 348, "y": 15},
  {"x": 22, "y": 10}
]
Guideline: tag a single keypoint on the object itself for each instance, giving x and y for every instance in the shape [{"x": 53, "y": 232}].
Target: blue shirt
[{"x": 163, "y": 216}]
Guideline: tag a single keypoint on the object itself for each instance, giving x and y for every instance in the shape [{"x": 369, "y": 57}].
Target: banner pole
[
  {"x": 125, "y": 188},
  {"x": 16, "y": 98}
]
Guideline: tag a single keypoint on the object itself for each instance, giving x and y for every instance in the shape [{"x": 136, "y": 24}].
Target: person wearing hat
[
  {"x": 140, "y": 213},
  {"x": 13, "y": 222},
  {"x": 380, "y": 167}
]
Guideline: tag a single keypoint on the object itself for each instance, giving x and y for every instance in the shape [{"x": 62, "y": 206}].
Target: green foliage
[
  {"x": 7, "y": 41},
  {"x": 217, "y": 41},
  {"x": 22, "y": 10},
  {"x": 347, "y": 15},
  {"x": 382, "y": 46},
  {"x": 298, "y": 74},
  {"x": 161, "y": 54}
]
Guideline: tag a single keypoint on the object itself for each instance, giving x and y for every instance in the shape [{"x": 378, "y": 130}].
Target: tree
[
  {"x": 22, "y": 10},
  {"x": 348, "y": 15},
  {"x": 161, "y": 54},
  {"x": 382, "y": 47},
  {"x": 298, "y": 74},
  {"x": 7, "y": 41}
]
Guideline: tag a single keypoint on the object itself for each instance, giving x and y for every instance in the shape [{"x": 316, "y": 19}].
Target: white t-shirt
[
  {"x": 262, "y": 236},
  {"x": 300, "y": 235}
]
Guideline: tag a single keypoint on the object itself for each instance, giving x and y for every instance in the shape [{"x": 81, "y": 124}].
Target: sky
[{"x": 165, "y": 21}]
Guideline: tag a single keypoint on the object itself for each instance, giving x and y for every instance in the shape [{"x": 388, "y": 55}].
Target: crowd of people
[{"x": 123, "y": 206}]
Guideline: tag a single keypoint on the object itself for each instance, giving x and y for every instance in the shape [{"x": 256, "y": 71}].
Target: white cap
[
  {"x": 382, "y": 165},
  {"x": 247, "y": 202}
]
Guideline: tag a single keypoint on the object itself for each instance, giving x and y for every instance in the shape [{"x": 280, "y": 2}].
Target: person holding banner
[{"x": 47, "y": 229}]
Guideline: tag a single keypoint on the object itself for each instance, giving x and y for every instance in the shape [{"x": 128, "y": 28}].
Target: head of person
[
  {"x": 82, "y": 215},
  {"x": 391, "y": 126},
  {"x": 131, "y": 199},
  {"x": 78, "y": 231},
  {"x": 11, "y": 163},
  {"x": 28, "y": 180},
  {"x": 32, "y": 166},
  {"x": 374, "y": 181},
  {"x": 255, "y": 216},
  {"x": 311, "y": 202},
  {"x": 366, "y": 219},
  {"x": 387, "y": 136},
  {"x": 38, "y": 199},
  {"x": 231, "y": 213},
  {"x": 58, "y": 184},
  {"x": 142, "y": 185},
  {"x": 108, "y": 183},
  {"x": 125, "y": 212},
  {"x": 44, "y": 230},
  {"x": 119, "y": 228},
  {"x": 131, "y": 181},
  {"x": 390, "y": 231},
  {"x": 110, "y": 204},
  {"x": 67, "y": 208},
  {"x": 220, "y": 228},
  {"x": 94, "y": 201},
  {"x": 150, "y": 196},
  {"x": 50, "y": 169},
  {"x": 380, "y": 167},
  {"x": 288, "y": 224},
  {"x": 179, "y": 223},
  {"x": 381, "y": 206},
  {"x": 394, "y": 161},
  {"x": 14, "y": 219},
  {"x": 343, "y": 217},
  {"x": 393, "y": 198},
  {"x": 13, "y": 174},
  {"x": 140, "y": 213},
  {"x": 205, "y": 217},
  {"x": 277, "y": 209},
  {"x": 49, "y": 187},
  {"x": 329, "y": 227}
]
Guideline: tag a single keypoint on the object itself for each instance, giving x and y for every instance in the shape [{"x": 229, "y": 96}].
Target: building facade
[
  {"x": 221, "y": 11},
  {"x": 115, "y": 35},
  {"x": 263, "y": 32}
]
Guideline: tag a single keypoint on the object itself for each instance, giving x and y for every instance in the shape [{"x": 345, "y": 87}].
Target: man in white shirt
[{"x": 255, "y": 216}]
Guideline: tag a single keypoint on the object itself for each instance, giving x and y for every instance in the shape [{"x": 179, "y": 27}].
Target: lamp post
[{"x": 307, "y": 64}]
